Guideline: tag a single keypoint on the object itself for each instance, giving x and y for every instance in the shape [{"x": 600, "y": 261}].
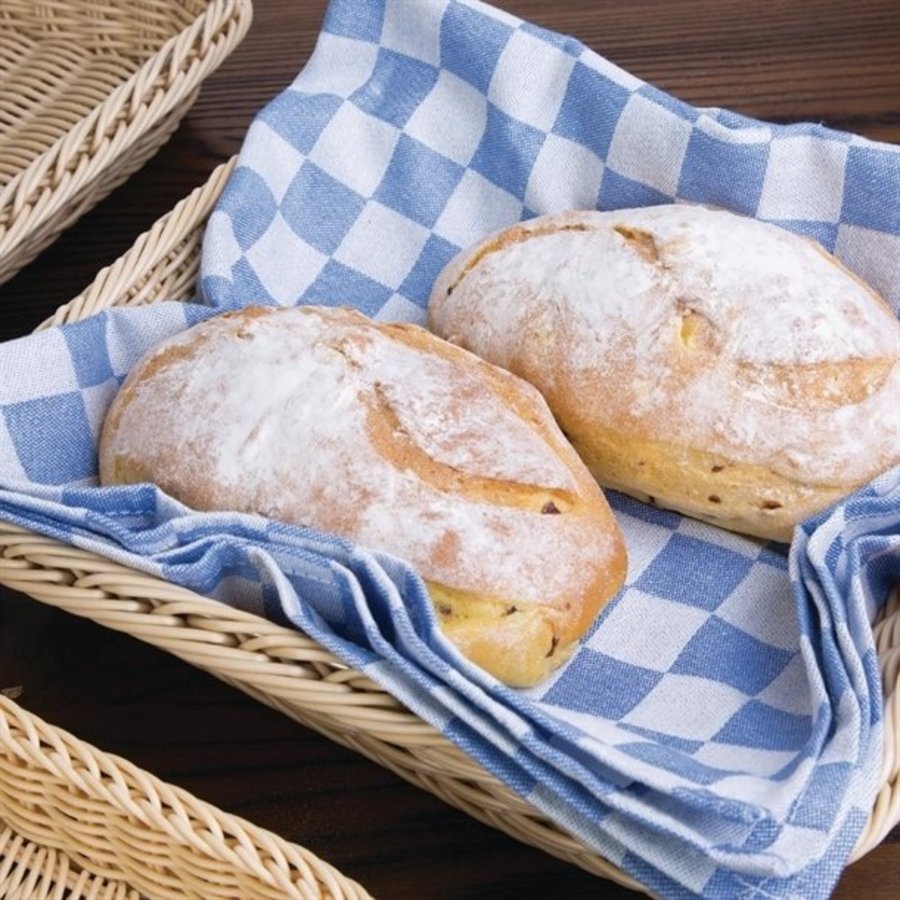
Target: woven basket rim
[
  {"x": 289, "y": 869},
  {"x": 288, "y": 670},
  {"x": 117, "y": 135}
]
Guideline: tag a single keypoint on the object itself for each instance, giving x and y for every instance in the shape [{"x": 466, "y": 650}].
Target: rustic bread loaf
[
  {"x": 696, "y": 359},
  {"x": 386, "y": 435}
]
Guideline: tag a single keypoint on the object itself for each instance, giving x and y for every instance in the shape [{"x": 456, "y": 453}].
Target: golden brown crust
[
  {"x": 389, "y": 436},
  {"x": 696, "y": 359}
]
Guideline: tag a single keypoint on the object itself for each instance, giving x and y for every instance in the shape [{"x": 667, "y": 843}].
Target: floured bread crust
[
  {"x": 697, "y": 359},
  {"x": 391, "y": 437}
]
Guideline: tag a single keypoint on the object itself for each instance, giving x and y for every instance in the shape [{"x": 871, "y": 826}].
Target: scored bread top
[
  {"x": 688, "y": 326},
  {"x": 380, "y": 433}
]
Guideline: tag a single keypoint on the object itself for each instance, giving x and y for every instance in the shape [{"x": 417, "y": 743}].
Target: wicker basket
[
  {"x": 283, "y": 667},
  {"x": 89, "y": 91},
  {"x": 77, "y": 820}
]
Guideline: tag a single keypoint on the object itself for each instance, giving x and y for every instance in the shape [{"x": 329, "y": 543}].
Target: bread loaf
[
  {"x": 696, "y": 359},
  {"x": 399, "y": 441}
]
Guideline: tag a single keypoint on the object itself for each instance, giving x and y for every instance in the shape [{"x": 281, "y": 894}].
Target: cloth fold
[{"x": 719, "y": 732}]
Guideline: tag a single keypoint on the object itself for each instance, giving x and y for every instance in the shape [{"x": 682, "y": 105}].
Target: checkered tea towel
[{"x": 719, "y": 733}]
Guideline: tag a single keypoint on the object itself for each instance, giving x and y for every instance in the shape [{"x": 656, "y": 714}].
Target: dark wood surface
[{"x": 783, "y": 60}]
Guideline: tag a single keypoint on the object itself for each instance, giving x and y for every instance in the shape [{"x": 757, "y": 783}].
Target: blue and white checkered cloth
[{"x": 719, "y": 733}]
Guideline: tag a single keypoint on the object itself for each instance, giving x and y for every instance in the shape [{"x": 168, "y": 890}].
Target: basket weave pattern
[
  {"x": 75, "y": 817},
  {"x": 89, "y": 91},
  {"x": 286, "y": 669}
]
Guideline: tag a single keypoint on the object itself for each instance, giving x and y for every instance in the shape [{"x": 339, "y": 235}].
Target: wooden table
[{"x": 782, "y": 60}]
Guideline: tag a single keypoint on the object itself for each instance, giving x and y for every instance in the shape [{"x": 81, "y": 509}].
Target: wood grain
[{"x": 781, "y": 60}]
